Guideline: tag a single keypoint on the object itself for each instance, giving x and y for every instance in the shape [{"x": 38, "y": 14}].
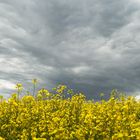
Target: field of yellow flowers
[{"x": 55, "y": 116}]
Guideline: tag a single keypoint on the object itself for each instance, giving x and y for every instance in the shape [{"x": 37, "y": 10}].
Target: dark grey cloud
[{"x": 92, "y": 46}]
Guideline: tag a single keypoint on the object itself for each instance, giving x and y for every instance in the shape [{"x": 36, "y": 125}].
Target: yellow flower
[{"x": 34, "y": 81}]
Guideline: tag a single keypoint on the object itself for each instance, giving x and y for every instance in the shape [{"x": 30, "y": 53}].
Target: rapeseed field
[{"x": 65, "y": 115}]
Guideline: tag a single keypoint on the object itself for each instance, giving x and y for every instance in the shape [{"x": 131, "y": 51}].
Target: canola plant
[{"x": 55, "y": 116}]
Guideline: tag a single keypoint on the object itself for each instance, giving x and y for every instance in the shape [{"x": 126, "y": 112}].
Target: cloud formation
[{"x": 93, "y": 46}]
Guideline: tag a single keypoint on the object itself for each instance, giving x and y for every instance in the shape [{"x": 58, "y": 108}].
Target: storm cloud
[{"x": 92, "y": 46}]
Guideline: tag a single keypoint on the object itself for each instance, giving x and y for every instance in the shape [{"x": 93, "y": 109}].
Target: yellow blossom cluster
[{"x": 52, "y": 116}]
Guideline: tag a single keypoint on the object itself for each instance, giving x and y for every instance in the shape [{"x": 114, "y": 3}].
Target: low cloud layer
[{"x": 92, "y": 46}]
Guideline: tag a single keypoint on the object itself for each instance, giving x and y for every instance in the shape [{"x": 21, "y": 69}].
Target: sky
[{"x": 91, "y": 46}]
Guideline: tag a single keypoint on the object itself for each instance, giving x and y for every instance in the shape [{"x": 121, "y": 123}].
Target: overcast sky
[{"x": 90, "y": 45}]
